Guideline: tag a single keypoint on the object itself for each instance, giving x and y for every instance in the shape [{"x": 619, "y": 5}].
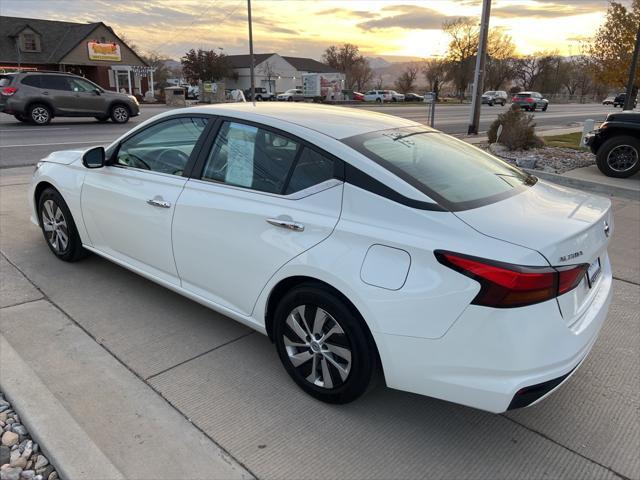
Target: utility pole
[
  {"x": 628, "y": 101},
  {"x": 251, "y": 62},
  {"x": 478, "y": 81}
]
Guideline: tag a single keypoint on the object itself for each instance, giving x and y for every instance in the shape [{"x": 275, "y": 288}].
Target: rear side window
[
  {"x": 55, "y": 82},
  {"x": 453, "y": 173},
  {"x": 251, "y": 157},
  {"x": 311, "y": 169},
  {"x": 32, "y": 81},
  {"x": 5, "y": 80}
]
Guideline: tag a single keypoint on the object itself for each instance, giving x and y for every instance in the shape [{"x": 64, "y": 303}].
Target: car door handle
[
  {"x": 288, "y": 224},
  {"x": 154, "y": 202}
]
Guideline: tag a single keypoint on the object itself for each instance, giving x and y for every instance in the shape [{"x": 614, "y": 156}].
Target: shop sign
[
  {"x": 210, "y": 87},
  {"x": 104, "y": 51}
]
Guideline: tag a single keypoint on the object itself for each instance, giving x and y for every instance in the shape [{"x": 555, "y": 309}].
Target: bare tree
[
  {"x": 405, "y": 81},
  {"x": 527, "y": 71},
  {"x": 500, "y": 65},
  {"x": 267, "y": 69},
  {"x": 346, "y": 59},
  {"x": 463, "y": 46},
  {"x": 435, "y": 72},
  {"x": 378, "y": 83},
  {"x": 361, "y": 75}
]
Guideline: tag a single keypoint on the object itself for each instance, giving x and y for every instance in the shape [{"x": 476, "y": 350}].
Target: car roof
[{"x": 335, "y": 121}]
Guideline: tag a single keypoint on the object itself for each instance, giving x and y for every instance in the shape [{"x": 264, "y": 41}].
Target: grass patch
[{"x": 568, "y": 140}]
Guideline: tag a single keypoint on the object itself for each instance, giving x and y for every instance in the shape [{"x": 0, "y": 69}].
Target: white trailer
[{"x": 323, "y": 86}]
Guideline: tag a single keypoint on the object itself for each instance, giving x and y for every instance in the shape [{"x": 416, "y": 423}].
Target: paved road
[
  {"x": 229, "y": 383},
  {"x": 23, "y": 144},
  {"x": 454, "y": 119}
]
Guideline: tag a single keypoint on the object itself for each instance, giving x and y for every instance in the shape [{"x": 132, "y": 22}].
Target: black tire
[
  {"x": 39, "y": 114},
  {"x": 119, "y": 113},
  {"x": 378, "y": 100},
  {"x": 103, "y": 119},
  {"x": 21, "y": 118},
  {"x": 619, "y": 156},
  {"x": 504, "y": 102},
  {"x": 532, "y": 108},
  {"x": 544, "y": 109},
  {"x": 51, "y": 205},
  {"x": 351, "y": 335},
  {"x": 491, "y": 103}
]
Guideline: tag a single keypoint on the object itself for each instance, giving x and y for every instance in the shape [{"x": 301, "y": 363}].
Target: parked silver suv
[{"x": 37, "y": 97}]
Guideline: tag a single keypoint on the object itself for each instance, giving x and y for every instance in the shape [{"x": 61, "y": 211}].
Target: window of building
[{"x": 30, "y": 42}]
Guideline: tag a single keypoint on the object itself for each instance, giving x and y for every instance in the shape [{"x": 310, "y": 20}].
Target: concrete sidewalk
[{"x": 94, "y": 418}]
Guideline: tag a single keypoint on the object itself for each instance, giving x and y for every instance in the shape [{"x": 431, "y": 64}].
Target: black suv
[
  {"x": 37, "y": 97},
  {"x": 618, "y": 101},
  {"x": 617, "y": 144}
]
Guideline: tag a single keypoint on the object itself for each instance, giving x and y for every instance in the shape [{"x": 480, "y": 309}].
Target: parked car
[
  {"x": 413, "y": 97},
  {"x": 37, "y": 97},
  {"x": 608, "y": 101},
  {"x": 291, "y": 95},
  {"x": 616, "y": 144},
  {"x": 261, "y": 94},
  {"x": 396, "y": 97},
  {"x": 353, "y": 240},
  {"x": 620, "y": 99},
  {"x": 530, "y": 101},
  {"x": 378, "y": 96},
  {"x": 493, "y": 97},
  {"x": 358, "y": 97}
]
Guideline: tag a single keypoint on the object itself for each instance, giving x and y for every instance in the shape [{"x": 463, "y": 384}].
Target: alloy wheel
[
  {"x": 622, "y": 158},
  {"x": 40, "y": 115},
  {"x": 120, "y": 114},
  {"x": 317, "y": 346},
  {"x": 55, "y": 226}
]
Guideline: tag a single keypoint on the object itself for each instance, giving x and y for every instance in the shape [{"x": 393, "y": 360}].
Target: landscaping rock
[
  {"x": 5, "y": 454},
  {"x": 41, "y": 462},
  {"x": 10, "y": 473},
  {"x": 9, "y": 439}
]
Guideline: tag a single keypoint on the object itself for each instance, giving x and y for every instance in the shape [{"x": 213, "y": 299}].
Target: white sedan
[
  {"x": 354, "y": 240},
  {"x": 291, "y": 95}
]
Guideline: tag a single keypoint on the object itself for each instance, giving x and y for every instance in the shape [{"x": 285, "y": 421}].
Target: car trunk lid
[{"x": 566, "y": 226}]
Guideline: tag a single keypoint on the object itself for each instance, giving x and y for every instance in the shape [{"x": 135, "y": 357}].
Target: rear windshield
[
  {"x": 5, "y": 80},
  {"x": 523, "y": 95},
  {"x": 453, "y": 173}
]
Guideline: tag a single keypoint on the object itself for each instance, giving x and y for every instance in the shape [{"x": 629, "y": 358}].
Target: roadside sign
[{"x": 429, "y": 97}]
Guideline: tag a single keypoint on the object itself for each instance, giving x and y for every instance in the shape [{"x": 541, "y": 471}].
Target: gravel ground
[
  {"x": 20, "y": 456},
  {"x": 547, "y": 159}
]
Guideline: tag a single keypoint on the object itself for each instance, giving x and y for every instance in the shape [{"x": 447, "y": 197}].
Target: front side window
[
  {"x": 164, "y": 147},
  {"x": 32, "y": 81},
  {"x": 453, "y": 173},
  {"x": 79, "y": 85},
  {"x": 251, "y": 157}
]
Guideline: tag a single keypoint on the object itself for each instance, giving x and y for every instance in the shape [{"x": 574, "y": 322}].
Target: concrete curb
[
  {"x": 608, "y": 190},
  {"x": 65, "y": 443}
]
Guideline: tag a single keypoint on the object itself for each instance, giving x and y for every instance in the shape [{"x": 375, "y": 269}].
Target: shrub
[{"x": 518, "y": 130}]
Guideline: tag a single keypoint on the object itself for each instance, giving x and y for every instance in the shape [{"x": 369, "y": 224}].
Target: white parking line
[{"x": 99, "y": 142}]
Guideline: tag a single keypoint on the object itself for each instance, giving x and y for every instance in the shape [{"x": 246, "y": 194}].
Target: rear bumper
[{"x": 490, "y": 357}]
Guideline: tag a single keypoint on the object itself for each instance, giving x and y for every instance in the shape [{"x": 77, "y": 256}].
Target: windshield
[
  {"x": 455, "y": 174},
  {"x": 489, "y": 93}
]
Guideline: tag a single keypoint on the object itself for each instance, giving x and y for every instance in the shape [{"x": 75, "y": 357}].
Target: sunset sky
[{"x": 306, "y": 27}]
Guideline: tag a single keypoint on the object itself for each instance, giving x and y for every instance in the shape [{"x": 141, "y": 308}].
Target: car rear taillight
[
  {"x": 504, "y": 285},
  {"x": 529, "y": 99},
  {"x": 514, "y": 99},
  {"x": 8, "y": 91}
]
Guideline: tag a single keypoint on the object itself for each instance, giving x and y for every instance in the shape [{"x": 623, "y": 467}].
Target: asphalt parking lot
[
  {"x": 23, "y": 144},
  {"x": 229, "y": 383}
]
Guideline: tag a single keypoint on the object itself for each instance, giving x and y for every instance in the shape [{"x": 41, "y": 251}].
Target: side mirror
[
  {"x": 94, "y": 158},
  {"x": 97, "y": 91}
]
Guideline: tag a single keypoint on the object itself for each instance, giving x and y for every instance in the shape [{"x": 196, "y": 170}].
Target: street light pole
[
  {"x": 628, "y": 101},
  {"x": 478, "y": 81},
  {"x": 251, "y": 63}
]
